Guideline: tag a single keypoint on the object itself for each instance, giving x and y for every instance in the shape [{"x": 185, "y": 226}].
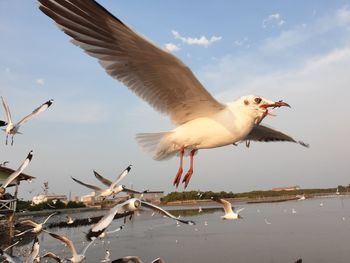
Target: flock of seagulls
[
  {"x": 170, "y": 87},
  {"x": 113, "y": 187}
]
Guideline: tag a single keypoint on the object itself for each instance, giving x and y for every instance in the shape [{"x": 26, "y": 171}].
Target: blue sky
[{"x": 298, "y": 51}]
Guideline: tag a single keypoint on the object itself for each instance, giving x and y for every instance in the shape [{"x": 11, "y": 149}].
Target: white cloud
[
  {"x": 171, "y": 47},
  {"x": 343, "y": 16},
  {"x": 273, "y": 20},
  {"x": 242, "y": 42},
  {"x": 40, "y": 82},
  {"x": 302, "y": 33},
  {"x": 201, "y": 41}
]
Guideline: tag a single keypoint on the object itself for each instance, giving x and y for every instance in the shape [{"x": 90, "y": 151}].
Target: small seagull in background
[
  {"x": 229, "y": 210},
  {"x": 11, "y": 128},
  {"x": 15, "y": 174},
  {"x": 200, "y": 210},
  {"x": 294, "y": 211},
  {"x": 3, "y": 164},
  {"x": 70, "y": 220},
  {"x": 107, "y": 257},
  {"x": 267, "y": 222},
  {"x": 37, "y": 228},
  {"x": 321, "y": 204},
  {"x": 76, "y": 257}
]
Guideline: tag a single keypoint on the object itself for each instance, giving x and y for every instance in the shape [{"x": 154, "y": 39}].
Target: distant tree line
[
  {"x": 199, "y": 195},
  {"x": 27, "y": 205}
]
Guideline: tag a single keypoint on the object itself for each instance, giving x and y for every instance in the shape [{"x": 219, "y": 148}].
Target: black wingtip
[
  {"x": 3, "y": 123},
  {"x": 304, "y": 144},
  {"x": 49, "y": 102},
  {"x": 30, "y": 155},
  {"x": 129, "y": 168}
]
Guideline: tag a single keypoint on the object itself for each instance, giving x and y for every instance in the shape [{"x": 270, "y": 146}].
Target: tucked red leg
[
  {"x": 190, "y": 171},
  {"x": 179, "y": 172}
]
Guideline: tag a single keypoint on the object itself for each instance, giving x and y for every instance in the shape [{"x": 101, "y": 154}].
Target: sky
[{"x": 298, "y": 51}]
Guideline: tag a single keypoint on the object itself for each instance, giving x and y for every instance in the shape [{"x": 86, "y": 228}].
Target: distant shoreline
[{"x": 256, "y": 200}]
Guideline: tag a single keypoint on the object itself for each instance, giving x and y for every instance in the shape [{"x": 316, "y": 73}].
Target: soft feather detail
[{"x": 157, "y": 144}]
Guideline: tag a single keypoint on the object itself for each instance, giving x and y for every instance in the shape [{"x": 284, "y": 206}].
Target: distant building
[
  {"x": 38, "y": 199},
  {"x": 289, "y": 188},
  {"x": 151, "y": 196}
]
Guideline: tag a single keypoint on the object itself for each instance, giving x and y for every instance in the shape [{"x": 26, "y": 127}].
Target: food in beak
[{"x": 271, "y": 105}]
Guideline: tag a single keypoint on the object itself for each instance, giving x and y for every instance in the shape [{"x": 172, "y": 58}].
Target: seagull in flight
[
  {"x": 132, "y": 204},
  {"x": 76, "y": 257},
  {"x": 37, "y": 228},
  {"x": 230, "y": 213},
  {"x": 113, "y": 187},
  {"x": 16, "y": 173},
  {"x": 162, "y": 80},
  {"x": 13, "y": 129}
]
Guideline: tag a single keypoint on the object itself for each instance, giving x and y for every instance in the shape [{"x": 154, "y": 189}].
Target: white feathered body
[{"x": 224, "y": 128}]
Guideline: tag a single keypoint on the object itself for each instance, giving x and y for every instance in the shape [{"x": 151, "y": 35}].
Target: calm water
[{"x": 314, "y": 233}]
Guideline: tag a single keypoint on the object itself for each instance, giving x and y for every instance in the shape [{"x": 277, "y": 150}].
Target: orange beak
[
  {"x": 271, "y": 105},
  {"x": 275, "y": 105}
]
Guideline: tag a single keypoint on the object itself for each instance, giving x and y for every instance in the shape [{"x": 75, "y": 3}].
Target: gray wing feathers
[
  {"x": 152, "y": 73},
  {"x": 265, "y": 134}
]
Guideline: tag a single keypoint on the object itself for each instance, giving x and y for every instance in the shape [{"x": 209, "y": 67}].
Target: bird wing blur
[
  {"x": 121, "y": 176},
  {"x": 103, "y": 180},
  {"x": 15, "y": 174},
  {"x": 7, "y": 111},
  {"x": 166, "y": 213},
  {"x": 226, "y": 204},
  {"x": 65, "y": 240},
  {"x": 35, "y": 112},
  {"x": 153, "y": 74},
  {"x": 87, "y": 185}
]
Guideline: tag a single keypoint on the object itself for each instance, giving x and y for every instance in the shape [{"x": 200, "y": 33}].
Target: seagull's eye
[{"x": 257, "y": 100}]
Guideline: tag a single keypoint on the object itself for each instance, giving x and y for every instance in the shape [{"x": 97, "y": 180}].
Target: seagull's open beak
[{"x": 273, "y": 105}]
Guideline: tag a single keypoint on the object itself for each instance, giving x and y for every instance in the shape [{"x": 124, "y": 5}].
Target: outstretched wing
[
  {"x": 153, "y": 74},
  {"x": 131, "y": 191},
  {"x": 263, "y": 133},
  {"x": 226, "y": 204},
  {"x": 121, "y": 176},
  {"x": 93, "y": 187},
  {"x": 35, "y": 112},
  {"x": 166, "y": 213},
  {"x": 65, "y": 240},
  {"x": 103, "y": 180},
  {"x": 15, "y": 174},
  {"x": 7, "y": 111}
]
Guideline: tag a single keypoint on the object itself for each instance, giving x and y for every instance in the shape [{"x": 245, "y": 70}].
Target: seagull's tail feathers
[{"x": 158, "y": 144}]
